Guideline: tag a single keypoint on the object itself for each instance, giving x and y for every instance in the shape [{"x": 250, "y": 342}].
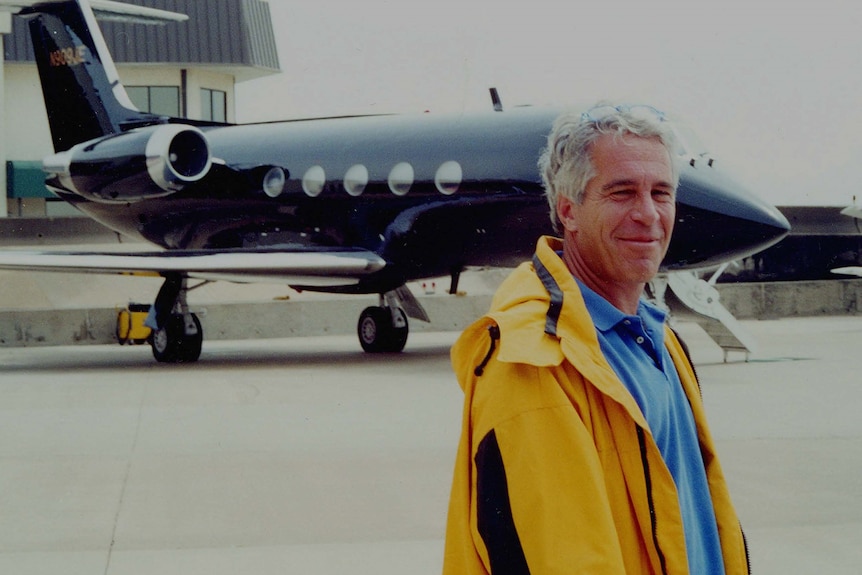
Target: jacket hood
[
  {"x": 542, "y": 321},
  {"x": 538, "y": 307}
]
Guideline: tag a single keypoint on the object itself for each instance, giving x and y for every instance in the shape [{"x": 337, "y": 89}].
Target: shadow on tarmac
[{"x": 221, "y": 355}]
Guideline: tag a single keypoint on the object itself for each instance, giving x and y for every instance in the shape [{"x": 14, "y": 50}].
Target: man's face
[{"x": 621, "y": 231}]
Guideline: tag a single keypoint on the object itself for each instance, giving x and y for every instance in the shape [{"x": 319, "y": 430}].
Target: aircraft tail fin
[{"x": 83, "y": 94}]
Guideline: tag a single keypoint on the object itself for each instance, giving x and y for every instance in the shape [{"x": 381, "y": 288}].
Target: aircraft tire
[
  {"x": 191, "y": 345},
  {"x": 377, "y": 334},
  {"x": 397, "y": 335},
  {"x": 170, "y": 344}
]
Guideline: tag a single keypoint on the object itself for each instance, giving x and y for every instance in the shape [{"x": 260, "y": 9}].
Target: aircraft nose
[{"x": 719, "y": 220}]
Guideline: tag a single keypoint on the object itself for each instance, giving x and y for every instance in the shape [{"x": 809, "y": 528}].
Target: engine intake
[
  {"x": 143, "y": 163},
  {"x": 177, "y": 155}
]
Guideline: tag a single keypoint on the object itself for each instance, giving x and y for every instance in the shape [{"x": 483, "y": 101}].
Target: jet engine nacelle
[{"x": 143, "y": 163}]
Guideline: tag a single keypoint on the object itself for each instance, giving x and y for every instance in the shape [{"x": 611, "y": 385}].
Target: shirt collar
[{"x": 606, "y": 316}]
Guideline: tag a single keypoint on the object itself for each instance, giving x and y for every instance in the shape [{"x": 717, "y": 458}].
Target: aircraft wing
[
  {"x": 309, "y": 267},
  {"x": 849, "y": 271}
]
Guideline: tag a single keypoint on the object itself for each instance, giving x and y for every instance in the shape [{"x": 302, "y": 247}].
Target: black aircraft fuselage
[{"x": 430, "y": 194}]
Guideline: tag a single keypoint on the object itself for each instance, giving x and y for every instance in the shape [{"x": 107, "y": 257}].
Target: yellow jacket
[{"x": 557, "y": 471}]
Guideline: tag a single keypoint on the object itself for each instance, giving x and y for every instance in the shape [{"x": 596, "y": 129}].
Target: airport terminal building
[{"x": 186, "y": 69}]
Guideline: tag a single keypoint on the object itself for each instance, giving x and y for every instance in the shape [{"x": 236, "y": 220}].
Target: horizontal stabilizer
[
  {"x": 317, "y": 268},
  {"x": 108, "y": 10},
  {"x": 130, "y": 13}
]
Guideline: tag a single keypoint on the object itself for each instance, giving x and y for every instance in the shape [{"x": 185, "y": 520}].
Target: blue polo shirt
[{"x": 634, "y": 347}]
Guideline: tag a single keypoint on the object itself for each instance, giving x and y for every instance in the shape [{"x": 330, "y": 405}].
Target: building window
[
  {"x": 213, "y": 105},
  {"x": 162, "y": 100}
]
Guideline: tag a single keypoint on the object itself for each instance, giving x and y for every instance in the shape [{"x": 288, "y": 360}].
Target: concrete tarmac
[{"x": 304, "y": 455}]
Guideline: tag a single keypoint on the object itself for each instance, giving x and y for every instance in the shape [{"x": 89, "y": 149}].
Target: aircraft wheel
[
  {"x": 191, "y": 345},
  {"x": 377, "y": 334},
  {"x": 397, "y": 335},
  {"x": 170, "y": 343}
]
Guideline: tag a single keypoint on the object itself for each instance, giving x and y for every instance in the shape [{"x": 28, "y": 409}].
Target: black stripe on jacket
[{"x": 495, "y": 522}]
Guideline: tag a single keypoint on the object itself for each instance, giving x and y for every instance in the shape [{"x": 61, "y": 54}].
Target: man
[{"x": 584, "y": 446}]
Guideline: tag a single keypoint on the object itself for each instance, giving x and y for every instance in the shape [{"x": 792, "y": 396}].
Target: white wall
[
  {"x": 202, "y": 78},
  {"x": 27, "y": 136}
]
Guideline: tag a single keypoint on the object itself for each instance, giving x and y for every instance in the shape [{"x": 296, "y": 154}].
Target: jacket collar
[{"x": 546, "y": 288}]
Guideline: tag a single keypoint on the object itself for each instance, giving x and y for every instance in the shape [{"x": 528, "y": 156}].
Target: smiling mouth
[{"x": 642, "y": 240}]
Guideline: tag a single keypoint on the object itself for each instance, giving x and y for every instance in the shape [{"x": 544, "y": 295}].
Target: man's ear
[{"x": 567, "y": 214}]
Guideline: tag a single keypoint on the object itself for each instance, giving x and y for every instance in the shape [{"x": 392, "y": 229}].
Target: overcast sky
[{"x": 773, "y": 89}]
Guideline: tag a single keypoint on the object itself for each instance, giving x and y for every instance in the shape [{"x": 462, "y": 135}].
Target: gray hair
[{"x": 566, "y": 164}]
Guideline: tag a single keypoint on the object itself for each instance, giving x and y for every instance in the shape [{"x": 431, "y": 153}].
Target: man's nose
[{"x": 644, "y": 208}]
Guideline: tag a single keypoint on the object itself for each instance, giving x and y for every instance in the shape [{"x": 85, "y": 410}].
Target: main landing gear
[
  {"x": 177, "y": 336},
  {"x": 384, "y": 328}
]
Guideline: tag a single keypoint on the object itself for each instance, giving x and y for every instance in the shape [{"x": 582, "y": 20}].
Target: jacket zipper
[
  {"x": 650, "y": 502},
  {"x": 700, "y": 391}
]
